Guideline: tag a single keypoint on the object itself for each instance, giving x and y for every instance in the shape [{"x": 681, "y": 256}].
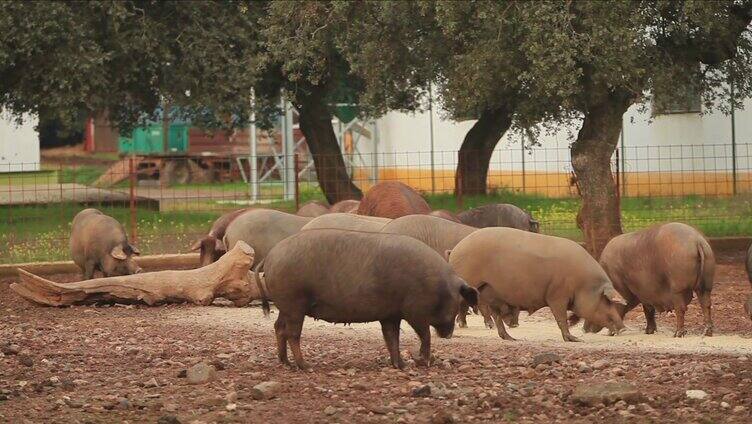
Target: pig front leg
[
  {"x": 560, "y": 314},
  {"x": 423, "y": 330},
  {"x": 462, "y": 315},
  {"x": 390, "y": 330},
  {"x": 500, "y": 327},
  {"x": 485, "y": 311},
  {"x": 89, "y": 268}
]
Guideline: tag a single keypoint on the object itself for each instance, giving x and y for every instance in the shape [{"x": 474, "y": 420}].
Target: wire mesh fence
[{"x": 167, "y": 202}]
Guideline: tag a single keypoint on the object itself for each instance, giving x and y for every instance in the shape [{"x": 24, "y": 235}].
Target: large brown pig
[
  {"x": 499, "y": 215},
  {"x": 345, "y": 206},
  {"x": 346, "y": 276},
  {"x": 441, "y": 236},
  {"x": 347, "y": 221},
  {"x": 660, "y": 267},
  {"x": 514, "y": 268},
  {"x": 313, "y": 209},
  {"x": 392, "y": 199},
  {"x": 211, "y": 245},
  {"x": 99, "y": 242},
  {"x": 262, "y": 229},
  {"x": 748, "y": 265}
]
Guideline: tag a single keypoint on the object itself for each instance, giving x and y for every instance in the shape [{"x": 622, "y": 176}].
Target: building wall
[
  {"x": 19, "y": 145},
  {"x": 663, "y": 155}
]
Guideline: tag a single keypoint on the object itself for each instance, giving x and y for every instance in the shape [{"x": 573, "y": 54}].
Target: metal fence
[{"x": 166, "y": 203}]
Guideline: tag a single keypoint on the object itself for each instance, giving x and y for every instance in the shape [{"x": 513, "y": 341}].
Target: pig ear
[
  {"x": 613, "y": 295},
  {"x": 469, "y": 294},
  {"x": 220, "y": 246},
  {"x": 447, "y": 253},
  {"x": 135, "y": 250},
  {"x": 118, "y": 253},
  {"x": 196, "y": 246}
]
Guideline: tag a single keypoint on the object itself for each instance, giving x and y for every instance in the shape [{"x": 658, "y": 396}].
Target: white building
[
  {"x": 19, "y": 144},
  {"x": 677, "y": 153}
]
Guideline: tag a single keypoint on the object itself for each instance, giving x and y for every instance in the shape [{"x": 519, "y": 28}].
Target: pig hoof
[
  {"x": 303, "y": 366},
  {"x": 709, "y": 331},
  {"x": 571, "y": 338},
  {"x": 650, "y": 330},
  {"x": 509, "y": 338},
  {"x": 490, "y": 325},
  {"x": 680, "y": 333},
  {"x": 513, "y": 325}
]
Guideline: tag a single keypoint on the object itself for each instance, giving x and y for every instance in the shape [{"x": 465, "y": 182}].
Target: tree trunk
[
  {"x": 229, "y": 277},
  {"x": 316, "y": 125},
  {"x": 476, "y": 150},
  {"x": 599, "y": 217}
]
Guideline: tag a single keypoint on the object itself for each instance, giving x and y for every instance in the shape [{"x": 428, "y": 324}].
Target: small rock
[
  {"x": 25, "y": 360},
  {"x": 124, "y": 403},
  {"x": 201, "y": 373},
  {"x": 231, "y": 407},
  {"x": 583, "y": 367},
  {"x": 72, "y": 403},
  {"x": 696, "y": 394},
  {"x": 182, "y": 373},
  {"x": 380, "y": 410},
  {"x": 608, "y": 393},
  {"x": 725, "y": 405},
  {"x": 600, "y": 364},
  {"x": 266, "y": 390},
  {"x": 421, "y": 391},
  {"x": 10, "y": 349},
  {"x": 330, "y": 410},
  {"x": 150, "y": 383},
  {"x": 740, "y": 408},
  {"x": 442, "y": 417},
  {"x": 168, "y": 419},
  {"x": 231, "y": 397},
  {"x": 547, "y": 358}
]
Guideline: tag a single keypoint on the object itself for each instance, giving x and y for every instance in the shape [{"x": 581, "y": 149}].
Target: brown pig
[
  {"x": 499, "y": 215},
  {"x": 441, "y": 236},
  {"x": 99, "y": 242},
  {"x": 262, "y": 229},
  {"x": 347, "y": 221},
  {"x": 514, "y": 268},
  {"x": 392, "y": 199},
  {"x": 660, "y": 267},
  {"x": 348, "y": 276},
  {"x": 345, "y": 206},
  {"x": 313, "y": 209},
  {"x": 211, "y": 246},
  {"x": 443, "y": 213}
]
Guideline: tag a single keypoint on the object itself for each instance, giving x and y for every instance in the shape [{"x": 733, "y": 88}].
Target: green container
[{"x": 149, "y": 140}]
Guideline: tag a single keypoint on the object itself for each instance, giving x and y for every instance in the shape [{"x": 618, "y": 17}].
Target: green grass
[
  {"x": 40, "y": 233},
  {"x": 85, "y": 174}
]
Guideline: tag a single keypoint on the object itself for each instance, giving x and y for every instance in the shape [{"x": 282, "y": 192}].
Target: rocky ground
[{"x": 218, "y": 364}]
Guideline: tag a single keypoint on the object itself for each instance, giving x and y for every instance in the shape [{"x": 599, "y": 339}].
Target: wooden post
[
  {"x": 297, "y": 181},
  {"x": 459, "y": 199}
]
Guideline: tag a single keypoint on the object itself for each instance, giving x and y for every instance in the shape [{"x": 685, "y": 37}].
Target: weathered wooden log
[{"x": 229, "y": 278}]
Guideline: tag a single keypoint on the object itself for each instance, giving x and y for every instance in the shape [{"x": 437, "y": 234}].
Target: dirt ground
[{"x": 127, "y": 365}]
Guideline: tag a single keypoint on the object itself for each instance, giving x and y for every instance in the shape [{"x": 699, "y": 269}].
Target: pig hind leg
[
  {"x": 649, "y": 311},
  {"x": 390, "y": 329},
  {"x": 280, "y": 332},
  {"x": 704, "y": 298},
  {"x": 293, "y": 328},
  {"x": 681, "y": 300}
]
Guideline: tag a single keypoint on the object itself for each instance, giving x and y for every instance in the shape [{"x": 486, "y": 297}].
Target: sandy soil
[{"x": 117, "y": 364}]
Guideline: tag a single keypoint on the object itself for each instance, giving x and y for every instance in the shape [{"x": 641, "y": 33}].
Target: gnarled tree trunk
[
  {"x": 229, "y": 277},
  {"x": 316, "y": 125},
  {"x": 477, "y": 148},
  {"x": 599, "y": 217}
]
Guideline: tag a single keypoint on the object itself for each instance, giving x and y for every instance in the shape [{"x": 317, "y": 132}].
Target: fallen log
[{"x": 229, "y": 278}]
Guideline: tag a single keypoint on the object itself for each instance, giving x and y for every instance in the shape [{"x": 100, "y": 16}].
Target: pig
[
  {"x": 392, "y": 199},
  {"x": 514, "y": 268},
  {"x": 499, "y": 215},
  {"x": 345, "y": 206},
  {"x": 443, "y": 213},
  {"x": 313, "y": 209},
  {"x": 347, "y": 221},
  {"x": 99, "y": 242},
  {"x": 748, "y": 266},
  {"x": 347, "y": 276},
  {"x": 441, "y": 236},
  {"x": 660, "y": 267},
  {"x": 211, "y": 246},
  {"x": 262, "y": 229}
]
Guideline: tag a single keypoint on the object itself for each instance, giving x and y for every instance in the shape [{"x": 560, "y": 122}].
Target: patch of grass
[
  {"x": 27, "y": 178},
  {"x": 85, "y": 174}
]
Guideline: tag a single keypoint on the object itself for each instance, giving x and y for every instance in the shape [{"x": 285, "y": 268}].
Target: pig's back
[
  {"x": 347, "y": 221},
  {"x": 438, "y": 233},
  {"x": 262, "y": 229}
]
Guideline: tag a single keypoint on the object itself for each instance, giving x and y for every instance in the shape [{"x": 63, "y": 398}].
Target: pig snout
[{"x": 445, "y": 331}]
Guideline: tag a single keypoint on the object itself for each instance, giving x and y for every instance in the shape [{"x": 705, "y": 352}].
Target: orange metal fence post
[
  {"x": 132, "y": 183},
  {"x": 297, "y": 181}
]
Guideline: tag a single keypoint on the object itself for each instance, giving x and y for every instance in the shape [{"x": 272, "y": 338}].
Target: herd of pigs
[{"x": 389, "y": 258}]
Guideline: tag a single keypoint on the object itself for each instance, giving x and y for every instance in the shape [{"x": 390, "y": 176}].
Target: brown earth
[{"x": 118, "y": 364}]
